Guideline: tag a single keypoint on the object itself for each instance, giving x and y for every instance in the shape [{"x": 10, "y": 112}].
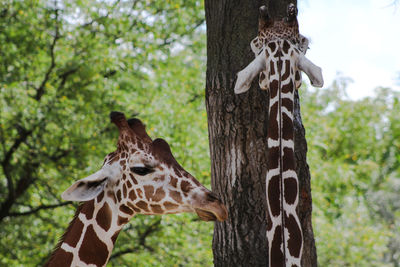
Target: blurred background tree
[
  {"x": 67, "y": 64},
  {"x": 354, "y": 160}
]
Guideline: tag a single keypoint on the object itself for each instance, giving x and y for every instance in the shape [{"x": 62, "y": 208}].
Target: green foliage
[
  {"x": 355, "y": 170},
  {"x": 65, "y": 66}
]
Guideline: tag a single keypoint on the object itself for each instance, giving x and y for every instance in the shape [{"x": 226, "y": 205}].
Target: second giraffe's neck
[
  {"x": 90, "y": 238},
  {"x": 283, "y": 229}
]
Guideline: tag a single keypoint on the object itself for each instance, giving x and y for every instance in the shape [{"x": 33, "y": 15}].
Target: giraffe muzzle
[{"x": 212, "y": 210}]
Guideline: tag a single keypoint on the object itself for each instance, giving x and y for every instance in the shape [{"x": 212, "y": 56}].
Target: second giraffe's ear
[
  {"x": 246, "y": 76},
  {"x": 87, "y": 188},
  {"x": 313, "y": 72}
]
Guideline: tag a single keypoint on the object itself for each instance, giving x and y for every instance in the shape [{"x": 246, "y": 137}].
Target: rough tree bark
[{"x": 238, "y": 138}]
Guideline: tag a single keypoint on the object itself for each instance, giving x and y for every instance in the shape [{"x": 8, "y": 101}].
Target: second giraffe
[{"x": 280, "y": 56}]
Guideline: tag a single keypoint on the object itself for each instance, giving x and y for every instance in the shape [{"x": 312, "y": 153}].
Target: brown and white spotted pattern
[
  {"x": 283, "y": 225},
  {"x": 280, "y": 60},
  {"x": 140, "y": 177},
  {"x": 271, "y": 30}
]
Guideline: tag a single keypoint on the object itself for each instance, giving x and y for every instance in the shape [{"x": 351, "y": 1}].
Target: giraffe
[
  {"x": 140, "y": 177},
  {"x": 280, "y": 56}
]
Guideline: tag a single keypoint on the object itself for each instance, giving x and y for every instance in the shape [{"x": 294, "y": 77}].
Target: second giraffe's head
[
  {"x": 279, "y": 52},
  {"x": 142, "y": 176}
]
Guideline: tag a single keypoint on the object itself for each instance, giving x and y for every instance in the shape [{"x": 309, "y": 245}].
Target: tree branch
[
  {"x": 123, "y": 252},
  {"x": 154, "y": 227},
  {"x": 40, "y": 89},
  {"x": 2, "y": 138},
  {"x": 101, "y": 17},
  {"x": 23, "y": 135},
  {"x": 151, "y": 229},
  {"x": 168, "y": 41},
  {"x": 61, "y": 153},
  {"x": 3, "y": 13},
  {"x": 5, "y": 163},
  {"x": 37, "y": 209},
  {"x": 23, "y": 183}
]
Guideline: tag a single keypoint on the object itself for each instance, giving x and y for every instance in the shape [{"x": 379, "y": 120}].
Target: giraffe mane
[{"x": 62, "y": 238}]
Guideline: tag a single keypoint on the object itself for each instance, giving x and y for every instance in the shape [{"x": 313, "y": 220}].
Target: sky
[{"x": 359, "y": 39}]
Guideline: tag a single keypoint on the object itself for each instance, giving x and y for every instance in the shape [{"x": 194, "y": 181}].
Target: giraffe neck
[
  {"x": 90, "y": 237},
  {"x": 283, "y": 230}
]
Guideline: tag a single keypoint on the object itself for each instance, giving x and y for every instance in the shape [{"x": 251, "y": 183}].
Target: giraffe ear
[
  {"x": 313, "y": 72},
  {"x": 87, "y": 188},
  {"x": 246, "y": 76}
]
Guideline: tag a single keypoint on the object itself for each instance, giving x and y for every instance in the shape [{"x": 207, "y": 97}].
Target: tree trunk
[{"x": 238, "y": 138}]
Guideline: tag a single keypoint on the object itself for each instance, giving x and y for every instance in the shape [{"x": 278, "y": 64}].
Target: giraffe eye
[{"x": 142, "y": 170}]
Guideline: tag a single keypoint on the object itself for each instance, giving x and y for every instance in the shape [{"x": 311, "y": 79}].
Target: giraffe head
[
  {"x": 270, "y": 33},
  {"x": 142, "y": 176}
]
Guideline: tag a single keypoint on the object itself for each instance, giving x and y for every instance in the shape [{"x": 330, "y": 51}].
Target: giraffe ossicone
[
  {"x": 140, "y": 177},
  {"x": 279, "y": 59}
]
